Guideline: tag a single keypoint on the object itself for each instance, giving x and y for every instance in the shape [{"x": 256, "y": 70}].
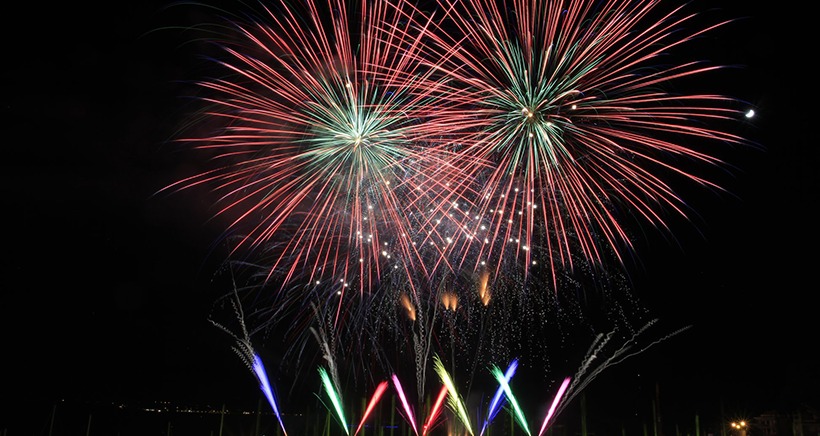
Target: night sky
[{"x": 108, "y": 288}]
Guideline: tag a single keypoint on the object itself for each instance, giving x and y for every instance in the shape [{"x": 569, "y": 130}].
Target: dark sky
[{"x": 108, "y": 288}]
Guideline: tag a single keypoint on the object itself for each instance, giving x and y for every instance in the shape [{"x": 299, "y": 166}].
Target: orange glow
[
  {"x": 449, "y": 300},
  {"x": 483, "y": 289},
  {"x": 411, "y": 311}
]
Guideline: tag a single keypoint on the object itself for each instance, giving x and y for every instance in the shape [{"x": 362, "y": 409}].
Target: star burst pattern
[
  {"x": 323, "y": 158},
  {"x": 566, "y": 100}
]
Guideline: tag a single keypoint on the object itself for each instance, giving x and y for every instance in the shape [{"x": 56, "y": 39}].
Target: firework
[
  {"x": 411, "y": 417},
  {"x": 604, "y": 352},
  {"x": 449, "y": 170},
  {"x": 262, "y": 375},
  {"x": 360, "y": 149},
  {"x": 245, "y": 350},
  {"x": 351, "y": 143},
  {"x": 503, "y": 383},
  {"x": 348, "y": 144},
  {"x": 372, "y": 404},
  {"x": 568, "y": 102},
  {"x": 497, "y": 400},
  {"x": 435, "y": 411},
  {"x": 333, "y": 394},
  {"x": 454, "y": 400},
  {"x": 555, "y": 402},
  {"x": 321, "y": 156}
]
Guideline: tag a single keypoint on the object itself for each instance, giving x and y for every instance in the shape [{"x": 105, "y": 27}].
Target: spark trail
[
  {"x": 435, "y": 411},
  {"x": 244, "y": 349},
  {"x": 377, "y": 394},
  {"x": 335, "y": 399},
  {"x": 555, "y": 401},
  {"x": 503, "y": 383},
  {"x": 497, "y": 400},
  {"x": 453, "y": 399},
  {"x": 410, "y": 416}
]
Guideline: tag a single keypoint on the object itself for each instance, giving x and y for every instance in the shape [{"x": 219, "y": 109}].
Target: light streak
[
  {"x": 407, "y": 409},
  {"x": 496, "y": 401},
  {"x": 453, "y": 399},
  {"x": 334, "y": 398},
  {"x": 377, "y": 394},
  {"x": 554, "y": 404}
]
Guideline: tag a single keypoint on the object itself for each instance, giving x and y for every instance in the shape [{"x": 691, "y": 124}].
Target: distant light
[{"x": 750, "y": 113}]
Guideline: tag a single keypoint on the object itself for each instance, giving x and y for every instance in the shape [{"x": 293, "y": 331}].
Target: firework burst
[
  {"x": 322, "y": 158},
  {"x": 569, "y": 103}
]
